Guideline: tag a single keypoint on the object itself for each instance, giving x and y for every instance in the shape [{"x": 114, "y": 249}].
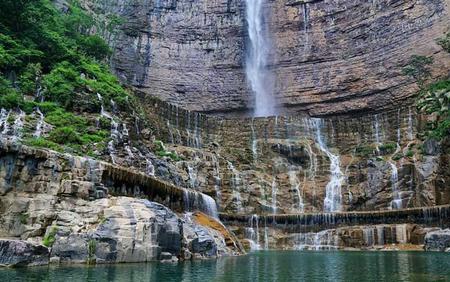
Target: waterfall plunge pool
[{"x": 260, "y": 266}]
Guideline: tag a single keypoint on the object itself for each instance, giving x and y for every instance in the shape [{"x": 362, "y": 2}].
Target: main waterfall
[{"x": 259, "y": 77}]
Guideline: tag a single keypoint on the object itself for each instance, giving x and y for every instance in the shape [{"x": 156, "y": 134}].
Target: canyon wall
[
  {"x": 328, "y": 57},
  {"x": 287, "y": 165}
]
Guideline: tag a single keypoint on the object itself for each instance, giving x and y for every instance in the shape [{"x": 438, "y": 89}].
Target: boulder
[
  {"x": 437, "y": 240},
  {"x": 21, "y": 253}
]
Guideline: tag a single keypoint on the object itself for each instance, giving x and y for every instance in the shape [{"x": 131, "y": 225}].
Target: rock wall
[
  {"x": 73, "y": 206},
  {"x": 276, "y": 165},
  {"x": 328, "y": 56}
]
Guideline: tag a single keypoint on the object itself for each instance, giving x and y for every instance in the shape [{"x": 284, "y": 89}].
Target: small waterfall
[
  {"x": 377, "y": 134},
  {"x": 257, "y": 59},
  {"x": 198, "y": 201},
  {"x": 266, "y": 237},
  {"x": 4, "y": 115},
  {"x": 333, "y": 197},
  {"x": 323, "y": 240},
  {"x": 150, "y": 168},
  {"x": 410, "y": 125},
  {"x": 368, "y": 235},
  {"x": 274, "y": 195},
  {"x": 235, "y": 184},
  {"x": 380, "y": 235},
  {"x": 18, "y": 125},
  {"x": 192, "y": 176},
  {"x": 217, "y": 179},
  {"x": 194, "y": 138},
  {"x": 397, "y": 201},
  {"x": 40, "y": 123},
  {"x": 401, "y": 233},
  {"x": 115, "y": 134},
  {"x": 295, "y": 186},
  {"x": 252, "y": 233},
  {"x": 254, "y": 143}
]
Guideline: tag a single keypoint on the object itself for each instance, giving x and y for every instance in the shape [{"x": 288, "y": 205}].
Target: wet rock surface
[{"x": 438, "y": 240}]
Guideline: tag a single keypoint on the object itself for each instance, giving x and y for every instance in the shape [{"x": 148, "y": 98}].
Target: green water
[{"x": 261, "y": 266}]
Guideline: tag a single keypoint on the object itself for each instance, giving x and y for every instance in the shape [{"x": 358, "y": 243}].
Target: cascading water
[
  {"x": 18, "y": 125},
  {"x": 257, "y": 59},
  {"x": 274, "y": 195},
  {"x": 235, "y": 184},
  {"x": 217, "y": 178},
  {"x": 333, "y": 197},
  {"x": 254, "y": 143},
  {"x": 252, "y": 233},
  {"x": 410, "y": 125},
  {"x": 198, "y": 201},
  {"x": 4, "y": 115},
  {"x": 397, "y": 201},
  {"x": 40, "y": 123},
  {"x": 295, "y": 186}
]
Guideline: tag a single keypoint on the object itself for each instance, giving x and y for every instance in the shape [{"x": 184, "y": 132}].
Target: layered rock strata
[{"x": 328, "y": 57}]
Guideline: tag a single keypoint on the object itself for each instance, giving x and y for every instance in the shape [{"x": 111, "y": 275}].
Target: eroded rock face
[
  {"x": 328, "y": 56},
  {"x": 49, "y": 197},
  {"x": 438, "y": 240},
  {"x": 20, "y": 253}
]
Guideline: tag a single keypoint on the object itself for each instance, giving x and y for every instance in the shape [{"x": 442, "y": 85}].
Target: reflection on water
[{"x": 260, "y": 266}]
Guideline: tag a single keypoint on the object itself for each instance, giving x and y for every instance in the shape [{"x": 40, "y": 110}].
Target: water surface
[{"x": 260, "y": 266}]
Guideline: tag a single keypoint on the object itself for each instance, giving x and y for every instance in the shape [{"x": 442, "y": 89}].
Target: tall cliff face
[{"x": 328, "y": 56}]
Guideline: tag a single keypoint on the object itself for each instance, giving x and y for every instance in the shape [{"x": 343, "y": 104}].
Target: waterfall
[
  {"x": 198, "y": 201},
  {"x": 254, "y": 143},
  {"x": 235, "y": 184},
  {"x": 410, "y": 125},
  {"x": 295, "y": 186},
  {"x": 333, "y": 197},
  {"x": 150, "y": 168},
  {"x": 4, "y": 115},
  {"x": 252, "y": 233},
  {"x": 323, "y": 240},
  {"x": 377, "y": 136},
  {"x": 40, "y": 123},
  {"x": 18, "y": 125},
  {"x": 266, "y": 237},
  {"x": 217, "y": 179},
  {"x": 397, "y": 201},
  {"x": 257, "y": 59},
  {"x": 274, "y": 195},
  {"x": 192, "y": 176},
  {"x": 115, "y": 134}
]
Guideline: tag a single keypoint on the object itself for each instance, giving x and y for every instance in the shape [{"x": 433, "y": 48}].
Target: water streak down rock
[{"x": 257, "y": 59}]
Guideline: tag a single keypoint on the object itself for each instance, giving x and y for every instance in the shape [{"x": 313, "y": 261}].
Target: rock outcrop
[
  {"x": 328, "y": 57},
  {"x": 66, "y": 203},
  {"x": 438, "y": 240},
  {"x": 19, "y": 253}
]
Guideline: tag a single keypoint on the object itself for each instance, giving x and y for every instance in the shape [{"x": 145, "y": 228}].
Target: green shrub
[
  {"x": 65, "y": 135},
  {"x": 43, "y": 143},
  {"x": 418, "y": 68},
  {"x": 388, "y": 148},
  {"x": 92, "y": 247},
  {"x": 364, "y": 151},
  {"x": 50, "y": 237},
  {"x": 23, "y": 218},
  {"x": 410, "y": 153}
]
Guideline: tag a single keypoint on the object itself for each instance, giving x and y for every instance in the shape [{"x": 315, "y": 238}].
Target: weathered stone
[
  {"x": 21, "y": 253},
  {"x": 437, "y": 240}
]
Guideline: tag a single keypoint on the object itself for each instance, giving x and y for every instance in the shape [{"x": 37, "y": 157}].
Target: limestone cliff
[{"x": 329, "y": 57}]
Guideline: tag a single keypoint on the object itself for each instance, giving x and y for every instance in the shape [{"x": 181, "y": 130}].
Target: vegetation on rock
[
  {"x": 50, "y": 61},
  {"x": 434, "y": 98}
]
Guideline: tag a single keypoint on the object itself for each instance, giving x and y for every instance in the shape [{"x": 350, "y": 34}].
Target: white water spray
[
  {"x": 259, "y": 77},
  {"x": 333, "y": 198}
]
